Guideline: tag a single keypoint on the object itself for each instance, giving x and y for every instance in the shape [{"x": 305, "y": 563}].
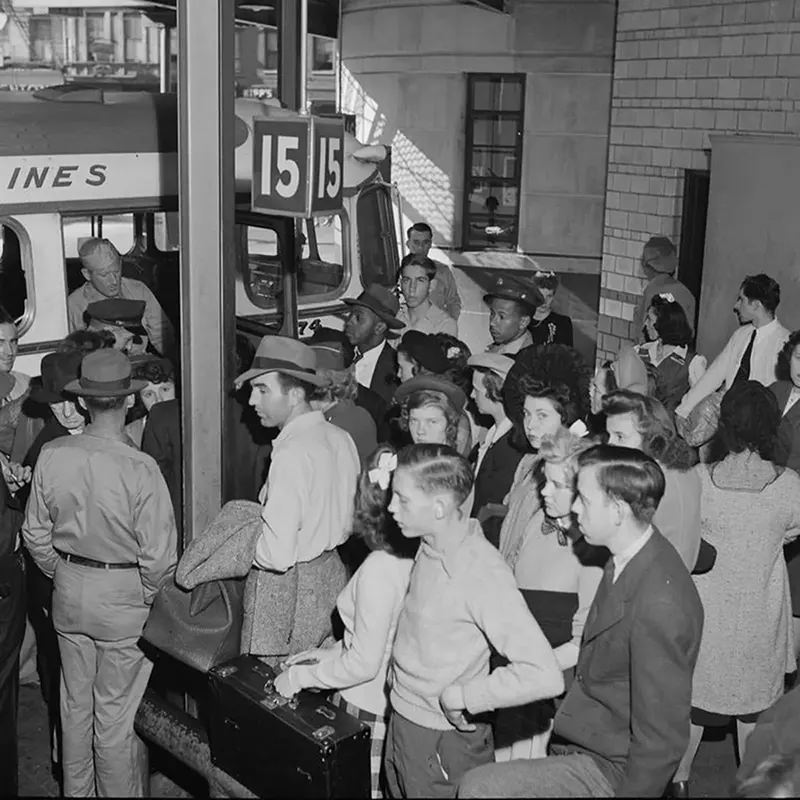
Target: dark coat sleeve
[
  {"x": 664, "y": 643},
  {"x": 162, "y": 441}
]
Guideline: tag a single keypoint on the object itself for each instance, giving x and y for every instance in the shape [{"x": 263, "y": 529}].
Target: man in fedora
[
  {"x": 511, "y": 309},
  {"x": 102, "y": 270},
  {"x": 310, "y": 488},
  {"x": 99, "y": 522},
  {"x": 372, "y": 315}
]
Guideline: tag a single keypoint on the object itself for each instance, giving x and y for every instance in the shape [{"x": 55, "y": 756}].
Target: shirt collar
[
  {"x": 498, "y": 431},
  {"x": 451, "y": 557},
  {"x": 627, "y": 555},
  {"x": 298, "y": 425},
  {"x": 765, "y": 330}
]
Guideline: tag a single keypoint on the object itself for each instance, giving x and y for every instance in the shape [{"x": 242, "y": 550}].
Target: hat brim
[
  {"x": 41, "y": 395},
  {"x": 430, "y": 383},
  {"x": 300, "y": 375},
  {"x": 488, "y": 361},
  {"x": 530, "y": 307},
  {"x": 74, "y": 387},
  {"x": 384, "y": 316}
]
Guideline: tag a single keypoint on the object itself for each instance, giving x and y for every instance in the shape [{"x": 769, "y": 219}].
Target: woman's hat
[
  {"x": 425, "y": 350},
  {"x": 284, "y": 355},
  {"x": 431, "y": 383},
  {"x": 105, "y": 373},
  {"x": 58, "y": 369},
  {"x": 381, "y": 301},
  {"x": 494, "y": 362}
]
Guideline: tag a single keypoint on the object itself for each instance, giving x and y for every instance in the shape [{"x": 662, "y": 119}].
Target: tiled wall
[{"x": 684, "y": 69}]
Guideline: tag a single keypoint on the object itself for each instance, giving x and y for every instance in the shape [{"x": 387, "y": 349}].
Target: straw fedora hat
[{"x": 284, "y": 355}]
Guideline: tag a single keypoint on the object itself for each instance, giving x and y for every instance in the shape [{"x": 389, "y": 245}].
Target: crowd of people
[{"x": 551, "y": 579}]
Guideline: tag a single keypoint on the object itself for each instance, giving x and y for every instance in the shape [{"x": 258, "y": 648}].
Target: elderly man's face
[
  {"x": 8, "y": 346},
  {"x": 107, "y": 279}
]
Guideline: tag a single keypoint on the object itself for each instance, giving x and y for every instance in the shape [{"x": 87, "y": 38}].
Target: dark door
[{"x": 693, "y": 230}]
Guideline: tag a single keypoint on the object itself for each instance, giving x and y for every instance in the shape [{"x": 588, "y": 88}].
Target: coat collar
[{"x": 615, "y": 596}]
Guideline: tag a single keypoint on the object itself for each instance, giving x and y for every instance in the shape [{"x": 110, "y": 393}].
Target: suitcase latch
[
  {"x": 226, "y": 672},
  {"x": 274, "y": 701},
  {"x": 323, "y": 733}
]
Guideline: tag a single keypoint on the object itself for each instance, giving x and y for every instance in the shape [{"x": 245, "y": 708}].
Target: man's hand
[
  {"x": 453, "y": 704},
  {"x": 15, "y": 475}
]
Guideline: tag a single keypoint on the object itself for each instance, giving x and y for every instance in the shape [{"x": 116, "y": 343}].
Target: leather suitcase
[{"x": 303, "y": 747}]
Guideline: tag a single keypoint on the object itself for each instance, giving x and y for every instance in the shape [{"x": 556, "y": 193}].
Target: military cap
[
  {"x": 117, "y": 311},
  {"x": 508, "y": 289}
]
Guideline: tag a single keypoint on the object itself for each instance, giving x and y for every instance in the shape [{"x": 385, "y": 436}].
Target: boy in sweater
[{"x": 462, "y": 598}]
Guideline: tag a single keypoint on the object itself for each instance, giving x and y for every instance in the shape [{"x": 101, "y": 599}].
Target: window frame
[
  {"x": 25, "y": 322},
  {"x": 495, "y": 115},
  {"x": 389, "y": 236}
]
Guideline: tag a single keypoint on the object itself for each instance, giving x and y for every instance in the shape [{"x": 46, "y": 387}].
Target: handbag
[
  {"x": 703, "y": 420},
  {"x": 200, "y": 628}
]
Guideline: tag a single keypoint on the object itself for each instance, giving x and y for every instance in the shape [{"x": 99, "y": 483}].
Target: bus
[{"x": 78, "y": 162}]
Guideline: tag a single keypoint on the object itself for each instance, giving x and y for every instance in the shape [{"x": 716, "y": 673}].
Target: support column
[
  {"x": 206, "y": 172},
  {"x": 292, "y": 52}
]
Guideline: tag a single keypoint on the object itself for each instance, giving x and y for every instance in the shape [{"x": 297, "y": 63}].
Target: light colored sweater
[
  {"x": 369, "y": 607},
  {"x": 458, "y": 603}
]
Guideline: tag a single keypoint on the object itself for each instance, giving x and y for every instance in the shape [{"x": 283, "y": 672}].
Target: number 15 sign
[{"x": 297, "y": 166}]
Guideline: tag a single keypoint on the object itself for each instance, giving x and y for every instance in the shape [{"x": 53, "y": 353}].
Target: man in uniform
[
  {"x": 99, "y": 522},
  {"x": 102, "y": 269},
  {"x": 511, "y": 308}
]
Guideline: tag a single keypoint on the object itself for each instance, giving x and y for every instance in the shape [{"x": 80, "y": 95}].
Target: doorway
[{"x": 693, "y": 231}]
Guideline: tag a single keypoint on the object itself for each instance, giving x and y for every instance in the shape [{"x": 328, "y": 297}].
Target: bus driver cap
[{"x": 98, "y": 254}]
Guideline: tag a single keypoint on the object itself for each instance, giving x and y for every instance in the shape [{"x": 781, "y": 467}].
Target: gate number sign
[{"x": 298, "y": 166}]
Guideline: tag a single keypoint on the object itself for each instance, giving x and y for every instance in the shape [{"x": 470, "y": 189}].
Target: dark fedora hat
[
  {"x": 432, "y": 383},
  {"x": 105, "y": 373},
  {"x": 381, "y": 301},
  {"x": 285, "y": 355},
  {"x": 58, "y": 369}
]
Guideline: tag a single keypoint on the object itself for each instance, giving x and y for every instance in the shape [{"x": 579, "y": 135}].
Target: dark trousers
[
  {"x": 12, "y": 630},
  {"x": 48, "y": 660},
  {"x": 423, "y": 762}
]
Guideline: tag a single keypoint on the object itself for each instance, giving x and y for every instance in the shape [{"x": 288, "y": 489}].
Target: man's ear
[
  {"x": 129, "y": 401},
  {"x": 381, "y": 328},
  {"x": 82, "y": 403},
  {"x": 620, "y": 511},
  {"x": 87, "y": 275}
]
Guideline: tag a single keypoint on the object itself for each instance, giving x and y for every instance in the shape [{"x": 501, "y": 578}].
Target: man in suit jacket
[
  {"x": 373, "y": 314},
  {"x": 624, "y": 723}
]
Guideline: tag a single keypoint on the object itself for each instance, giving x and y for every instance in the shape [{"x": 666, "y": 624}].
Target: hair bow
[
  {"x": 382, "y": 473},
  {"x": 540, "y": 273},
  {"x": 578, "y": 428},
  {"x": 453, "y": 352},
  {"x": 668, "y": 296}
]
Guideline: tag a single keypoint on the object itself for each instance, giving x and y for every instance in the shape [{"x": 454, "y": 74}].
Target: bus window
[
  {"x": 321, "y": 275},
  {"x": 379, "y": 260},
  {"x": 117, "y": 228},
  {"x": 13, "y": 278},
  {"x": 165, "y": 228},
  {"x": 261, "y": 265}
]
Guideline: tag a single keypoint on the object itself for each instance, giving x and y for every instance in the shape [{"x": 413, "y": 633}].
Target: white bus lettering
[
  {"x": 36, "y": 177},
  {"x": 98, "y": 173},
  {"x": 64, "y": 176},
  {"x": 14, "y": 176}
]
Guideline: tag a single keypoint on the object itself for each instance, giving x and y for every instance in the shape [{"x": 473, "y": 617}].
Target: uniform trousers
[
  {"x": 12, "y": 629},
  {"x": 98, "y": 617}
]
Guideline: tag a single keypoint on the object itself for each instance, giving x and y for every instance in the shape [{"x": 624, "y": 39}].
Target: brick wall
[{"x": 683, "y": 69}]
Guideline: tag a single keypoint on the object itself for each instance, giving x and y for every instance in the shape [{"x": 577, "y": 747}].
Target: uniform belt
[{"x": 90, "y": 562}]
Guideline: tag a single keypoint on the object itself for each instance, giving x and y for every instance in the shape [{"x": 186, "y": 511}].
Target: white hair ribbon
[
  {"x": 668, "y": 296},
  {"x": 578, "y": 428},
  {"x": 382, "y": 473}
]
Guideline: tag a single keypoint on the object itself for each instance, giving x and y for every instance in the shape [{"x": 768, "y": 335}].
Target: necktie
[{"x": 743, "y": 373}]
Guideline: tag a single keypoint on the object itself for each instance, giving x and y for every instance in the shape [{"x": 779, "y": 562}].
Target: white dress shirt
[
  {"x": 621, "y": 560},
  {"x": 435, "y": 320},
  {"x": 309, "y": 493},
  {"x": 769, "y": 340},
  {"x": 365, "y": 366}
]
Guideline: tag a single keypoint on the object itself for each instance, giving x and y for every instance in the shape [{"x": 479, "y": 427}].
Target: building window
[
  {"x": 493, "y": 160},
  {"x": 322, "y": 54}
]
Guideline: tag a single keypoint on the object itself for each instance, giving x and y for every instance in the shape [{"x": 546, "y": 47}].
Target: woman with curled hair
[
  {"x": 635, "y": 420},
  {"x": 668, "y": 354},
  {"x": 750, "y": 510},
  {"x": 547, "y": 390},
  {"x": 787, "y": 451},
  {"x": 369, "y": 607},
  {"x": 558, "y": 574}
]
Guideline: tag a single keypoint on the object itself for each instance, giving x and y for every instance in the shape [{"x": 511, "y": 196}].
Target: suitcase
[{"x": 303, "y": 747}]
